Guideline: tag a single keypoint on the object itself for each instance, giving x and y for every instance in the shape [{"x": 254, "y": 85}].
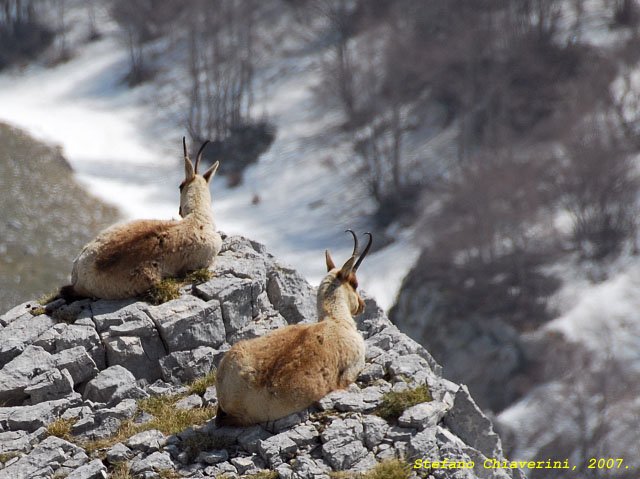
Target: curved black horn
[
  {"x": 184, "y": 147},
  {"x": 364, "y": 253},
  {"x": 199, "y": 155},
  {"x": 355, "y": 242}
]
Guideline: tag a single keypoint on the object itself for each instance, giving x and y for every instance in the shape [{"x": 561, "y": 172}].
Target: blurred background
[{"x": 491, "y": 146}]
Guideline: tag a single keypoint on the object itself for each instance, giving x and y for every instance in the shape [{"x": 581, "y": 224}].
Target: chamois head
[
  {"x": 194, "y": 190},
  {"x": 340, "y": 284}
]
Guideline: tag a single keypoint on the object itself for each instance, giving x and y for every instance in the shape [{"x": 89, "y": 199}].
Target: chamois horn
[
  {"x": 355, "y": 243},
  {"x": 364, "y": 253},
  {"x": 199, "y": 155}
]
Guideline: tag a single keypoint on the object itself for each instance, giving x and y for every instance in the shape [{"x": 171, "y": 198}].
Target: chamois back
[{"x": 126, "y": 260}]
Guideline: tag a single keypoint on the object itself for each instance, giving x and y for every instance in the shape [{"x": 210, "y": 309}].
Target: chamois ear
[
  {"x": 347, "y": 267},
  {"x": 330, "y": 264},
  {"x": 189, "y": 171},
  {"x": 207, "y": 175}
]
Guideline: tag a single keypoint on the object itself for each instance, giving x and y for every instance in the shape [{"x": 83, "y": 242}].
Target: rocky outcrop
[{"x": 92, "y": 365}]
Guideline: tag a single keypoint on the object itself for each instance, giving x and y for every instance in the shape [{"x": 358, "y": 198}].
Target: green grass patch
[
  {"x": 200, "y": 385},
  {"x": 265, "y": 475},
  {"x": 166, "y": 418},
  {"x": 169, "y": 288},
  {"x": 163, "y": 291},
  {"x": 394, "y": 403},
  {"x": 7, "y": 456},
  {"x": 393, "y": 469},
  {"x": 37, "y": 310},
  {"x": 61, "y": 428},
  {"x": 199, "y": 276}
]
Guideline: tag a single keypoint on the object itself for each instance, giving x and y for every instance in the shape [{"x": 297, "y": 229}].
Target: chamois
[
  {"x": 287, "y": 370},
  {"x": 126, "y": 260}
]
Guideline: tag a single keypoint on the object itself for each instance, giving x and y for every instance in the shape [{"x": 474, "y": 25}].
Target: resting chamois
[
  {"x": 126, "y": 260},
  {"x": 287, "y": 370}
]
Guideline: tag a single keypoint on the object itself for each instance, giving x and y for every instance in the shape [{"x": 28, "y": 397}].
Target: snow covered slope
[{"x": 106, "y": 132}]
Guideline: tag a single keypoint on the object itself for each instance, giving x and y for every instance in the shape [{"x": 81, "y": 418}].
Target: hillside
[
  {"x": 126, "y": 387},
  {"x": 45, "y": 219}
]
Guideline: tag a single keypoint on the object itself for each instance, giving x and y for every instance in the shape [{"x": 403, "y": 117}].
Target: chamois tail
[{"x": 69, "y": 294}]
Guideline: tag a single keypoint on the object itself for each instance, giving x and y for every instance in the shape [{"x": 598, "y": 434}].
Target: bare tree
[
  {"x": 220, "y": 65},
  {"x": 599, "y": 188}
]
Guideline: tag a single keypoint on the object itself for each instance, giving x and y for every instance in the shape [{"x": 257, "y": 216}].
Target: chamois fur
[
  {"x": 289, "y": 369},
  {"x": 126, "y": 260}
]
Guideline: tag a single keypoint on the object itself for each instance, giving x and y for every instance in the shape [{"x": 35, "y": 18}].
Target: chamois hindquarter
[
  {"x": 287, "y": 370},
  {"x": 126, "y": 260}
]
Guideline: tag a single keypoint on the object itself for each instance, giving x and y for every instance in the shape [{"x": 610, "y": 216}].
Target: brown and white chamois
[
  {"x": 287, "y": 370},
  {"x": 126, "y": 260}
]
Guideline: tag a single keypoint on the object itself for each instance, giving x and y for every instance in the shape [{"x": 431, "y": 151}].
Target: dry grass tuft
[
  {"x": 393, "y": 469},
  {"x": 61, "y": 428},
  {"x": 199, "y": 276},
  {"x": 200, "y": 385},
  {"x": 394, "y": 403},
  {"x": 166, "y": 418}
]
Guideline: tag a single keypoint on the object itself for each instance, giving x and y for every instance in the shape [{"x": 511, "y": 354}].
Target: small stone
[
  {"x": 189, "y": 402},
  {"x": 304, "y": 435},
  {"x": 119, "y": 453},
  {"x": 243, "y": 464},
  {"x": 341, "y": 456},
  {"x": 93, "y": 470},
  {"x": 423, "y": 415},
  {"x": 51, "y": 385},
  {"x": 375, "y": 429},
  {"x": 186, "y": 366},
  {"x": 155, "y": 462},
  {"x": 113, "y": 385},
  {"x": 251, "y": 438},
  {"x": 147, "y": 441},
  {"x": 213, "y": 457},
  {"x": 210, "y": 396},
  {"x": 277, "y": 449}
]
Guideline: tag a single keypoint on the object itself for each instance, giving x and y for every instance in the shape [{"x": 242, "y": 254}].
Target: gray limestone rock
[
  {"x": 30, "y": 418},
  {"x": 17, "y": 312},
  {"x": 82, "y": 335},
  {"x": 14, "y": 442},
  {"x": 291, "y": 295},
  {"x": 375, "y": 429},
  {"x": 50, "y": 385},
  {"x": 189, "y": 322},
  {"x": 112, "y": 386},
  {"x": 77, "y": 362},
  {"x": 137, "y": 346},
  {"x": 186, "y": 366},
  {"x": 182, "y": 340},
  {"x": 251, "y": 437},
  {"x": 119, "y": 453},
  {"x": 147, "y": 441},
  {"x": 93, "y": 470},
  {"x": 21, "y": 332},
  {"x": 106, "y": 313},
  {"x": 421, "y": 416},
  {"x": 277, "y": 449},
  {"x": 342, "y": 456},
  {"x": 190, "y": 402},
  {"x": 154, "y": 462},
  {"x": 18, "y": 373},
  {"x": 43, "y": 460},
  {"x": 466, "y": 420},
  {"x": 213, "y": 457}
]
